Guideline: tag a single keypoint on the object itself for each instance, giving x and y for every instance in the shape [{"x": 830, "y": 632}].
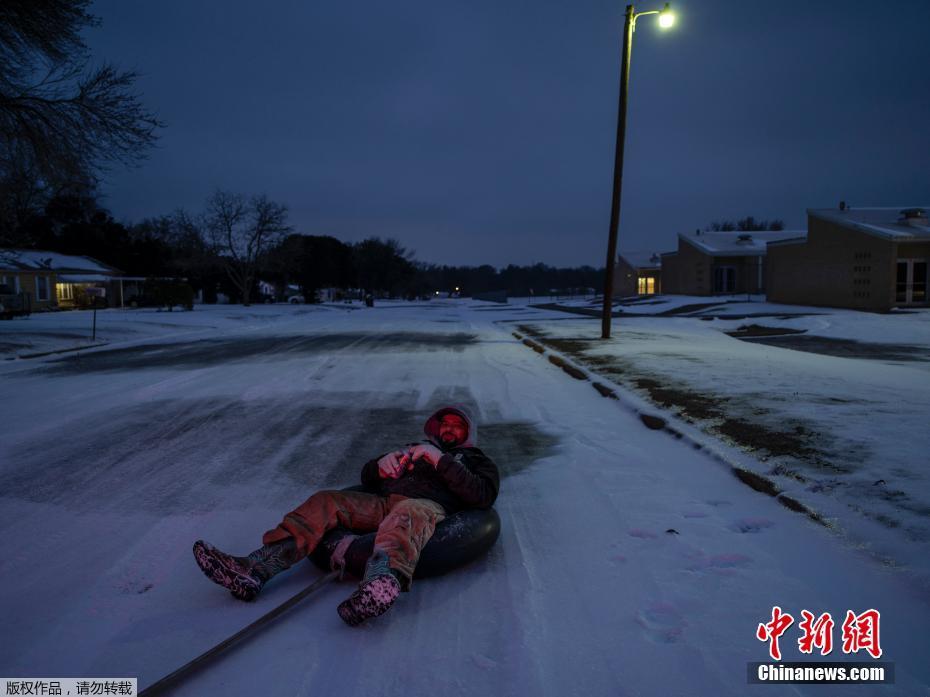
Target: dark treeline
[
  {"x": 186, "y": 246},
  {"x": 538, "y": 279},
  {"x": 313, "y": 262}
]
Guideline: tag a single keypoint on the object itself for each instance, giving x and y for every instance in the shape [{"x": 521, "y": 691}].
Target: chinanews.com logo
[{"x": 859, "y": 633}]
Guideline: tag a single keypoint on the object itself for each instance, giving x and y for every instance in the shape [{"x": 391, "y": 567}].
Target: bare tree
[
  {"x": 240, "y": 231},
  {"x": 60, "y": 123}
]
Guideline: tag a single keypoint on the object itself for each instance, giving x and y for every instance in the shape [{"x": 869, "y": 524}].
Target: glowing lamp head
[{"x": 666, "y": 17}]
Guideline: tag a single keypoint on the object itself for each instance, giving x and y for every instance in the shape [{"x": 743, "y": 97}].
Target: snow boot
[
  {"x": 375, "y": 594},
  {"x": 245, "y": 576}
]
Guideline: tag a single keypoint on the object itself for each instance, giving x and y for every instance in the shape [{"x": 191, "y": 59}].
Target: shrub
[{"x": 170, "y": 293}]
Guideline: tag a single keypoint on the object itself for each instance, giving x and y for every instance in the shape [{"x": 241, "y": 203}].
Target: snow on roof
[
  {"x": 791, "y": 240},
  {"x": 642, "y": 260},
  {"x": 84, "y": 278},
  {"x": 737, "y": 243},
  {"x": 884, "y": 222},
  {"x": 38, "y": 259}
]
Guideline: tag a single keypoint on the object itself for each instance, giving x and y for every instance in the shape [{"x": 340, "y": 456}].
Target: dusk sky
[{"x": 483, "y": 131}]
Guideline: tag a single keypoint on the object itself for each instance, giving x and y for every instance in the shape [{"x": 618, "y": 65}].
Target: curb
[{"x": 52, "y": 353}]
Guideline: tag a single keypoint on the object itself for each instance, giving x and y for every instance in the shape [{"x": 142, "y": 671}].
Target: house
[
  {"x": 717, "y": 263},
  {"x": 62, "y": 280},
  {"x": 861, "y": 258},
  {"x": 637, "y": 273},
  {"x": 26, "y": 272}
]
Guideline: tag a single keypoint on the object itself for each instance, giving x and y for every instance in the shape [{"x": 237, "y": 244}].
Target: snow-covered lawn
[
  {"x": 846, "y": 436},
  {"x": 629, "y": 563},
  {"x": 43, "y": 332}
]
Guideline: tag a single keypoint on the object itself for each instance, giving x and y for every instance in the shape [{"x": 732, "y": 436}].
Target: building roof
[
  {"x": 84, "y": 278},
  {"x": 881, "y": 222},
  {"x": 41, "y": 260},
  {"x": 737, "y": 244},
  {"x": 642, "y": 260},
  {"x": 792, "y": 240}
]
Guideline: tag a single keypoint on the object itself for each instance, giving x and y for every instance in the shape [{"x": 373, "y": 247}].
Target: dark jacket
[{"x": 464, "y": 477}]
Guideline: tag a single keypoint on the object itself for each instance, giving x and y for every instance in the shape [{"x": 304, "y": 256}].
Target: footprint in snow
[
  {"x": 615, "y": 557},
  {"x": 643, "y": 534},
  {"x": 745, "y": 525},
  {"x": 483, "y": 661},
  {"x": 716, "y": 503},
  {"x": 662, "y": 623}
]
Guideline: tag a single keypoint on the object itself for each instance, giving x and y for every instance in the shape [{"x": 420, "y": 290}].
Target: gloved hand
[
  {"x": 389, "y": 466},
  {"x": 427, "y": 452}
]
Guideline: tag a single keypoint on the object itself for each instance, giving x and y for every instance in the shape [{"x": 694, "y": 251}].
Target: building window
[
  {"x": 724, "y": 279},
  {"x": 12, "y": 282},
  {"x": 42, "y": 288},
  {"x": 900, "y": 293},
  {"x": 646, "y": 285},
  {"x": 64, "y": 291},
  {"x": 911, "y": 281},
  {"x": 919, "y": 282}
]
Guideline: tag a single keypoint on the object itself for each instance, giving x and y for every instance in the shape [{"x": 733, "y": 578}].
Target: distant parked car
[{"x": 296, "y": 300}]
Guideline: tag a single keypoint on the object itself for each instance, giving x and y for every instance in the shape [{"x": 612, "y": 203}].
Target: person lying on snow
[{"x": 416, "y": 487}]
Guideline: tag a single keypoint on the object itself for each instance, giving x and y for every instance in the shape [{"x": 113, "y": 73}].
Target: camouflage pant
[{"x": 404, "y": 525}]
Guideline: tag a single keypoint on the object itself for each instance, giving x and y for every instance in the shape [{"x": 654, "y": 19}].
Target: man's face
[{"x": 452, "y": 430}]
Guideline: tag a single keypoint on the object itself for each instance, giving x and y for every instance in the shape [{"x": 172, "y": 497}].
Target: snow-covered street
[{"x": 629, "y": 563}]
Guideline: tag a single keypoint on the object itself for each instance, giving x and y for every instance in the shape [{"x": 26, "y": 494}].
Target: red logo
[
  {"x": 860, "y": 632},
  {"x": 817, "y": 633},
  {"x": 774, "y": 629}
]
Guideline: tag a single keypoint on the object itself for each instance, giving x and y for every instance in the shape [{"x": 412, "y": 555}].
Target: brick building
[{"x": 863, "y": 258}]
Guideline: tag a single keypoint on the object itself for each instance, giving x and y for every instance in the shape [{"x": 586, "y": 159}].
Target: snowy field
[{"x": 211, "y": 424}]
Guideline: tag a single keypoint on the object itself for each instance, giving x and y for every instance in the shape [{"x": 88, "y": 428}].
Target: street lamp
[
  {"x": 666, "y": 17},
  {"x": 666, "y": 20}
]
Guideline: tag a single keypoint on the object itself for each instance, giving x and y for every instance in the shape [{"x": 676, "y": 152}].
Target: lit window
[{"x": 646, "y": 285}]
